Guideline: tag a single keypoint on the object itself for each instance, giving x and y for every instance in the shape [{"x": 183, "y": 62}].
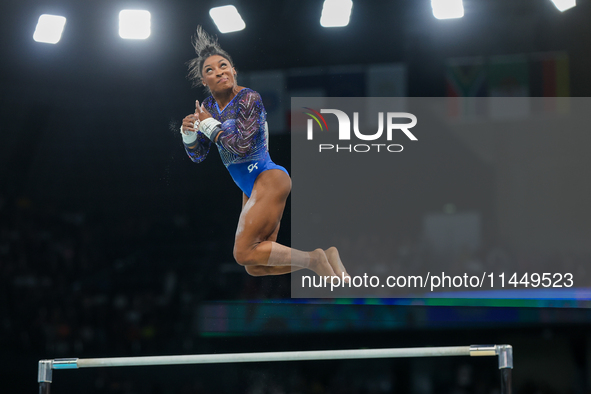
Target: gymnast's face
[{"x": 218, "y": 74}]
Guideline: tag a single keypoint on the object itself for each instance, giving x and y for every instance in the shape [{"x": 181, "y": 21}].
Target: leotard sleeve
[
  {"x": 239, "y": 137},
  {"x": 199, "y": 149}
]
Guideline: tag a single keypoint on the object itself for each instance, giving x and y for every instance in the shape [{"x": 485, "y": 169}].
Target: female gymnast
[{"x": 234, "y": 119}]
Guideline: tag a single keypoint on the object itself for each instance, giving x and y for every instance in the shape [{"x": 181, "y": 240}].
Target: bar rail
[{"x": 504, "y": 352}]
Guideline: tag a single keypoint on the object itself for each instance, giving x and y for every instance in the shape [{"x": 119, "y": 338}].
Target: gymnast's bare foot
[
  {"x": 319, "y": 263},
  {"x": 332, "y": 254}
]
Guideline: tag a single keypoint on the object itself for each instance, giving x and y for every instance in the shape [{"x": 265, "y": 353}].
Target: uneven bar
[
  {"x": 262, "y": 357},
  {"x": 504, "y": 352}
]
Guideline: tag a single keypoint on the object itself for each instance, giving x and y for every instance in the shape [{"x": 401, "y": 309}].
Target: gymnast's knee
[
  {"x": 244, "y": 257},
  {"x": 255, "y": 270}
]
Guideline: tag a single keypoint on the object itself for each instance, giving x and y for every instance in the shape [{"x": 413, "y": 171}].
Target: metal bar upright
[
  {"x": 44, "y": 376},
  {"x": 505, "y": 353}
]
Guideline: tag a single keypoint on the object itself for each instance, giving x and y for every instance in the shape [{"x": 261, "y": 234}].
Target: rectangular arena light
[
  {"x": 336, "y": 13},
  {"x": 564, "y": 5},
  {"x": 134, "y": 24},
  {"x": 49, "y": 29},
  {"x": 447, "y": 9},
  {"x": 227, "y": 19}
]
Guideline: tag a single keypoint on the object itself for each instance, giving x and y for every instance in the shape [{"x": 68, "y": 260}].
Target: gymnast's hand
[
  {"x": 189, "y": 124},
  {"x": 201, "y": 112}
]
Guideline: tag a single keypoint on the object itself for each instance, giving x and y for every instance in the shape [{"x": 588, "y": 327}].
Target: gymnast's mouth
[{"x": 222, "y": 80}]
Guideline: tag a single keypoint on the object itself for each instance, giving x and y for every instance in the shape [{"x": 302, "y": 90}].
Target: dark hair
[{"x": 205, "y": 46}]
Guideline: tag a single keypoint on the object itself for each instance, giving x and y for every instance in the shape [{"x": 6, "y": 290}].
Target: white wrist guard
[
  {"x": 210, "y": 127},
  {"x": 189, "y": 137}
]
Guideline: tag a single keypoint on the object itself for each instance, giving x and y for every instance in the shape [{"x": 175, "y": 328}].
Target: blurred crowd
[{"x": 72, "y": 283}]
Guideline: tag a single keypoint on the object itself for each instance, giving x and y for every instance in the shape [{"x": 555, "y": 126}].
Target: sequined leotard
[{"x": 243, "y": 141}]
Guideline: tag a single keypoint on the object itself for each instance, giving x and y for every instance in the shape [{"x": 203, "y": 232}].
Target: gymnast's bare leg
[{"x": 255, "y": 247}]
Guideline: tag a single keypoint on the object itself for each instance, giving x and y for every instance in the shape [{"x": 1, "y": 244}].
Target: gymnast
[{"x": 234, "y": 119}]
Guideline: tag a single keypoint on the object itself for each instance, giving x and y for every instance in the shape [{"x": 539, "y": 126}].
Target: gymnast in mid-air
[{"x": 234, "y": 120}]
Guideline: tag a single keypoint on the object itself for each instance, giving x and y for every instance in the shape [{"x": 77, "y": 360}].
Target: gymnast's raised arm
[{"x": 196, "y": 144}]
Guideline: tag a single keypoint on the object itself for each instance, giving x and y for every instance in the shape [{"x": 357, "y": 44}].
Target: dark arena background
[{"x": 113, "y": 243}]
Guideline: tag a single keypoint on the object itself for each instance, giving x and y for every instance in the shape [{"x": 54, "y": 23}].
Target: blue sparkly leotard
[{"x": 243, "y": 141}]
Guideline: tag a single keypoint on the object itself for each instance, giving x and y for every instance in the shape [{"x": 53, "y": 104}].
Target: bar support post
[
  {"x": 44, "y": 375},
  {"x": 505, "y": 353}
]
